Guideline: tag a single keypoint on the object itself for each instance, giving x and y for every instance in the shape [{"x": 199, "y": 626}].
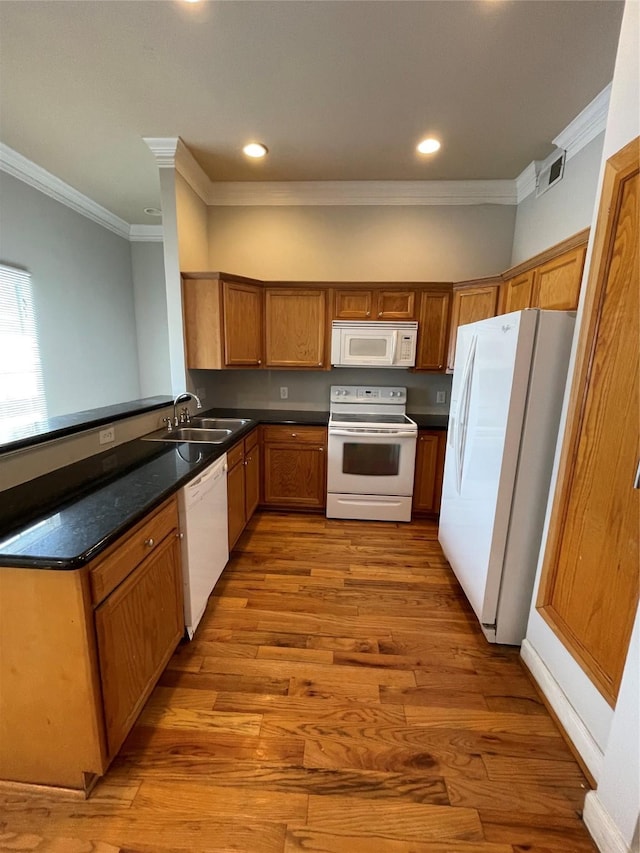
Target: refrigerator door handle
[{"x": 463, "y": 413}]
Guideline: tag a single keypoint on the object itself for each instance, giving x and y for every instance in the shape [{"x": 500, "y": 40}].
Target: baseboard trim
[
  {"x": 571, "y": 722},
  {"x": 601, "y": 826}
]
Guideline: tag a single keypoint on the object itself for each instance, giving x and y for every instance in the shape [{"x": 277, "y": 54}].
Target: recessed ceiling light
[
  {"x": 255, "y": 149},
  {"x": 153, "y": 211},
  {"x": 428, "y": 146}
]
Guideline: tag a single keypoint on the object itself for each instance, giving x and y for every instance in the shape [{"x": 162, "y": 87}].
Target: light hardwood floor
[{"x": 338, "y": 696}]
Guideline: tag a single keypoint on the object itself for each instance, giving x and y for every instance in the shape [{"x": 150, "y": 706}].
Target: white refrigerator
[{"x": 506, "y": 399}]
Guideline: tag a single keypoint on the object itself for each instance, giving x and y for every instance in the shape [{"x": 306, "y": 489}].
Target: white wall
[
  {"x": 147, "y": 262},
  {"x": 83, "y": 294},
  {"x": 362, "y": 243},
  {"x": 607, "y": 738},
  {"x": 563, "y": 210}
]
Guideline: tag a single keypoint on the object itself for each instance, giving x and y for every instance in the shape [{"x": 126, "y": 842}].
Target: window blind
[{"x": 22, "y": 398}]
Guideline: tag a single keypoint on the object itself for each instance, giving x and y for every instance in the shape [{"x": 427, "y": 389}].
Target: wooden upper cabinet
[
  {"x": 433, "y": 330},
  {"x": 222, "y": 321},
  {"x": 353, "y": 304},
  {"x": 518, "y": 293},
  {"x": 242, "y": 324},
  {"x": 395, "y": 305},
  {"x": 590, "y": 579},
  {"x": 295, "y": 327},
  {"x": 374, "y": 304},
  {"x": 471, "y": 303},
  {"x": 557, "y": 283}
]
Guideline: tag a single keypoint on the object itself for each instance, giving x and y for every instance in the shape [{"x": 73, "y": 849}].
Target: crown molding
[
  {"x": 171, "y": 152},
  {"x": 325, "y": 193},
  {"x": 526, "y": 182},
  {"x": 586, "y": 125},
  {"x": 577, "y": 134},
  {"x": 35, "y": 176},
  {"x": 146, "y": 233}
]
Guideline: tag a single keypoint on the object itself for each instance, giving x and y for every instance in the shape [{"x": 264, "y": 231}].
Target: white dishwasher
[{"x": 202, "y": 505}]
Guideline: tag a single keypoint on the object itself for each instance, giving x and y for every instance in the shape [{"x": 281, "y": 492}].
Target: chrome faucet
[{"x": 184, "y": 416}]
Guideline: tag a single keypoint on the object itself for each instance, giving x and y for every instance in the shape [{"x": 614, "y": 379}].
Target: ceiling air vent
[{"x": 549, "y": 171}]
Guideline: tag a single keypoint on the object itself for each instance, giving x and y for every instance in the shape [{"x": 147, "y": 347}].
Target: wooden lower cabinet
[
  {"x": 295, "y": 467},
  {"x": 243, "y": 484},
  {"x": 427, "y": 484},
  {"x": 138, "y": 627},
  {"x": 75, "y": 671}
]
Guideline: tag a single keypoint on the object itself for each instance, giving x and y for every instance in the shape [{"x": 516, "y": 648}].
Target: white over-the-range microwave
[{"x": 373, "y": 344}]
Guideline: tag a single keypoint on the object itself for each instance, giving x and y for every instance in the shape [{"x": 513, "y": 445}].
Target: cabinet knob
[
  {"x": 368, "y": 313},
  {"x": 321, "y": 449},
  {"x": 179, "y": 535},
  {"x": 259, "y": 361},
  {"x": 149, "y": 542},
  {"x": 379, "y": 313},
  {"x": 294, "y": 435}
]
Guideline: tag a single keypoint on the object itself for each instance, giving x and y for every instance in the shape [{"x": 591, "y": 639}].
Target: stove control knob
[{"x": 392, "y": 393}]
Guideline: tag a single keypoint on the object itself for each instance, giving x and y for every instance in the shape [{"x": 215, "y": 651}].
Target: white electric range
[{"x": 371, "y": 453}]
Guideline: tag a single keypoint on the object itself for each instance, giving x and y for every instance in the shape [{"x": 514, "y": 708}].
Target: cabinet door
[
  {"x": 589, "y": 589},
  {"x": 138, "y": 627},
  {"x": 236, "y": 502},
  {"x": 518, "y": 293},
  {"x": 469, "y": 306},
  {"x": 251, "y": 480},
  {"x": 295, "y": 476},
  {"x": 353, "y": 304},
  {"x": 557, "y": 283},
  {"x": 427, "y": 488},
  {"x": 242, "y": 311},
  {"x": 295, "y": 328},
  {"x": 433, "y": 330},
  {"x": 395, "y": 304}
]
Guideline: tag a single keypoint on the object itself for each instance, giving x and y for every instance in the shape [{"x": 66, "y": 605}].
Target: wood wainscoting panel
[{"x": 589, "y": 590}]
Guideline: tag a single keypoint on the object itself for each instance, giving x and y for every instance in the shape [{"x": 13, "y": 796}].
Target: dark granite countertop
[
  {"x": 64, "y": 519},
  {"x": 64, "y": 425}
]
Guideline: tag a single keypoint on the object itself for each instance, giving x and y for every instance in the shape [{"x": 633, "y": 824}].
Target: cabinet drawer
[
  {"x": 129, "y": 551},
  {"x": 235, "y": 455},
  {"x": 251, "y": 440},
  {"x": 298, "y": 434}
]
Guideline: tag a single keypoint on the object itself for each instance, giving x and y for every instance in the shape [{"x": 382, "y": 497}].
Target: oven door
[{"x": 370, "y": 464}]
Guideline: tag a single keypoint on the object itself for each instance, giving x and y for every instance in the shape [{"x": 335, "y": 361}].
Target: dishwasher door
[{"x": 202, "y": 505}]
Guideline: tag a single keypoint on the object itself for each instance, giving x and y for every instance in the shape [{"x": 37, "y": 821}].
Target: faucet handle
[
  {"x": 169, "y": 423},
  {"x": 185, "y": 417}
]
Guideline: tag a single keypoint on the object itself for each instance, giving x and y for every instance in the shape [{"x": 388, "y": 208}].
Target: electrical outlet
[
  {"x": 284, "y": 392},
  {"x": 202, "y": 393},
  {"x": 441, "y": 396},
  {"x": 107, "y": 436}
]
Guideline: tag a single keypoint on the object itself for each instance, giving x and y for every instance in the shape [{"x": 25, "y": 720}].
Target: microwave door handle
[{"x": 394, "y": 348}]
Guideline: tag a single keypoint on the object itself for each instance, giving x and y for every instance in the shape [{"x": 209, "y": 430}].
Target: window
[{"x": 22, "y": 400}]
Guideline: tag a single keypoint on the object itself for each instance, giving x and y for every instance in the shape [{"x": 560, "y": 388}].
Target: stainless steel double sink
[{"x": 200, "y": 431}]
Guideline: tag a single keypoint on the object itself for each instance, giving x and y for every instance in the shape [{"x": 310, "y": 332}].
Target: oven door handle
[{"x": 360, "y": 434}]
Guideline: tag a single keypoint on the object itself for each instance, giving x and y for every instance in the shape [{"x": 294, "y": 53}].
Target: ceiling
[{"x": 338, "y": 90}]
